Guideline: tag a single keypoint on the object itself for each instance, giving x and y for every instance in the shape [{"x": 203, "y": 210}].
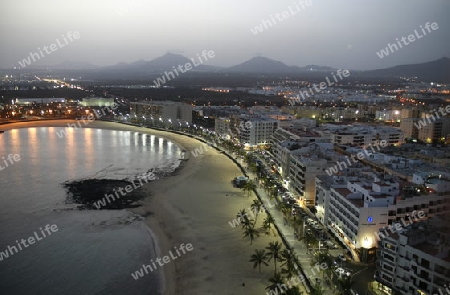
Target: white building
[
  {"x": 285, "y": 143},
  {"x": 434, "y": 131},
  {"x": 361, "y": 135},
  {"x": 222, "y": 127},
  {"x": 415, "y": 260},
  {"x": 97, "y": 102},
  {"x": 305, "y": 164},
  {"x": 256, "y": 131},
  {"x": 169, "y": 112},
  {"x": 359, "y": 204}
]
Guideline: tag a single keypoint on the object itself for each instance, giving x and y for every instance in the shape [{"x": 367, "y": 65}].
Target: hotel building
[
  {"x": 355, "y": 206},
  {"x": 414, "y": 260}
]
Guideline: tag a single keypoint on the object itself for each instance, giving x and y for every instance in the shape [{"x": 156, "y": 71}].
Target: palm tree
[
  {"x": 242, "y": 216},
  {"x": 273, "y": 192},
  {"x": 249, "y": 187},
  {"x": 308, "y": 239},
  {"x": 256, "y": 207},
  {"x": 288, "y": 265},
  {"x": 267, "y": 184},
  {"x": 263, "y": 179},
  {"x": 268, "y": 221},
  {"x": 320, "y": 258},
  {"x": 293, "y": 291},
  {"x": 258, "y": 258},
  {"x": 299, "y": 223},
  {"x": 251, "y": 232},
  {"x": 275, "y": 282},
  {"x": 284, "y": 208},
  {"x": 253, "y": 167},
  {"x": 248, "y": 158},
  {"x": 274, "y": 252}
]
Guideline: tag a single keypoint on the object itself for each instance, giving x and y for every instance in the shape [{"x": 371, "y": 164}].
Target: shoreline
[{"x": 194, "y": 205}]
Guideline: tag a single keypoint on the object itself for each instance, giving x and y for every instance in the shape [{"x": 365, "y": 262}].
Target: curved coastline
[{"x": 194, "y": 206}]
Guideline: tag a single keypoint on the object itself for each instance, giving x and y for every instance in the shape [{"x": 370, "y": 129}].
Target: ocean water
[{"x": 92, "y": 252}]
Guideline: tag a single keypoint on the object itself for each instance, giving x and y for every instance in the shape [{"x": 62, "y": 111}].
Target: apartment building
[
  {"x": 305, "y": 164},
  {"x": 415, "y": 260},
  {"x": 162, "y": 111},
  {"x": 285, "y": 143},
  {"x": 361, "y": 135},
  {"x": 359, "y": 204},
  {"x": 434, "y": 131},
  {"x": 222, "y": 127},
  {"x": 409, "y": 128},
  {"x": 256, "y": 131}
]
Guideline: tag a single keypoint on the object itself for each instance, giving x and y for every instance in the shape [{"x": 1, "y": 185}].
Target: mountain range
[{"x": 438, "y": 70}]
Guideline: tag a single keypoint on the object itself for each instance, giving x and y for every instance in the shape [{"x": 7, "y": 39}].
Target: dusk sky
[{"x": 340, "y": 34}]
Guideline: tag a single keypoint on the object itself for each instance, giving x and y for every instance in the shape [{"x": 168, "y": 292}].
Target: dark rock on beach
[{"x": 92, "y": 193}]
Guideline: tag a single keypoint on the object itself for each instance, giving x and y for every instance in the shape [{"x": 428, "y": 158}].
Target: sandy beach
[{"x": 194, "y": 206}]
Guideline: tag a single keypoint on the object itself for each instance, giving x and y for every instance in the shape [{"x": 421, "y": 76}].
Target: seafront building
[
  {"x": 414, "y": 260},
  {"x": 286, "y": 142},
  {"x": 97, "y": 102},
  {"x": 305, "y": 164},
  {"x": 219, "y": 111},
  {"x": 255, "y": 131},
  {"x": 299, "y": 157},
  {"x": 222, "y": 127},
  {"x": 169, "y": 112},
  {"x": 354, "y": 205}
]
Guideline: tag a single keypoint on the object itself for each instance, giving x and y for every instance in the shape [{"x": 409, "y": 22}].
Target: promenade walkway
[{"x": 309, "y": 269}]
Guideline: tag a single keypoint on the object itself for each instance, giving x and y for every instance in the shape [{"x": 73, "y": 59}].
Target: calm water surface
[{"x": 93, "y": 252}]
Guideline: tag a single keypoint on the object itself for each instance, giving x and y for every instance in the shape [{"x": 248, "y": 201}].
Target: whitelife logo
[
  {"x": 11, "y": 159},
  {"x": 90, "y": 118},
  {"x": 53, "y": 47},
  {"x": 279, "y": 17},
  {"x": 399, "y": 226},
  {"x": 321, "y": 87},
  {"x": 49, "y": 229},
  {"x": 411, "y": 38},
  {"x": 128, "y": 189},
  {"x": 340, "y": 166},
  {"x": 183, "y": 68},
  {"x": 161, "y": 261},
  {"x": 433, "y": 118}
]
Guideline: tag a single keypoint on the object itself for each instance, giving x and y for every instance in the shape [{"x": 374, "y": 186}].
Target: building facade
[
  {"x": 415, "y": 260},
  {"x": 355, "y": 206},
  {"x": 169, "y": 112},
  {"x": 257, "y": 131}
]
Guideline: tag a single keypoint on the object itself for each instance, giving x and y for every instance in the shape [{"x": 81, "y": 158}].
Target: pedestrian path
[
  {"x": 307, "y": 266},
  {"x": 309, "y": 269}
]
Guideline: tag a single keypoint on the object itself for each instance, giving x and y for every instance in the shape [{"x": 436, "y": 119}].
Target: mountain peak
[{"x": 260, "y": 64}]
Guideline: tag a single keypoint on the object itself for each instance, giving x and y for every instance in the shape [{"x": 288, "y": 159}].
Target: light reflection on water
[{"x": 94, "y": 252}]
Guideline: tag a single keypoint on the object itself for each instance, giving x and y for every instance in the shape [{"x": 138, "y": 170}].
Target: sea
[{"x": 92, "y": 251}]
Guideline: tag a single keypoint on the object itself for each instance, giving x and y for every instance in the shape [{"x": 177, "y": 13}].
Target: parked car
[{"x": 240, "y": 181}]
